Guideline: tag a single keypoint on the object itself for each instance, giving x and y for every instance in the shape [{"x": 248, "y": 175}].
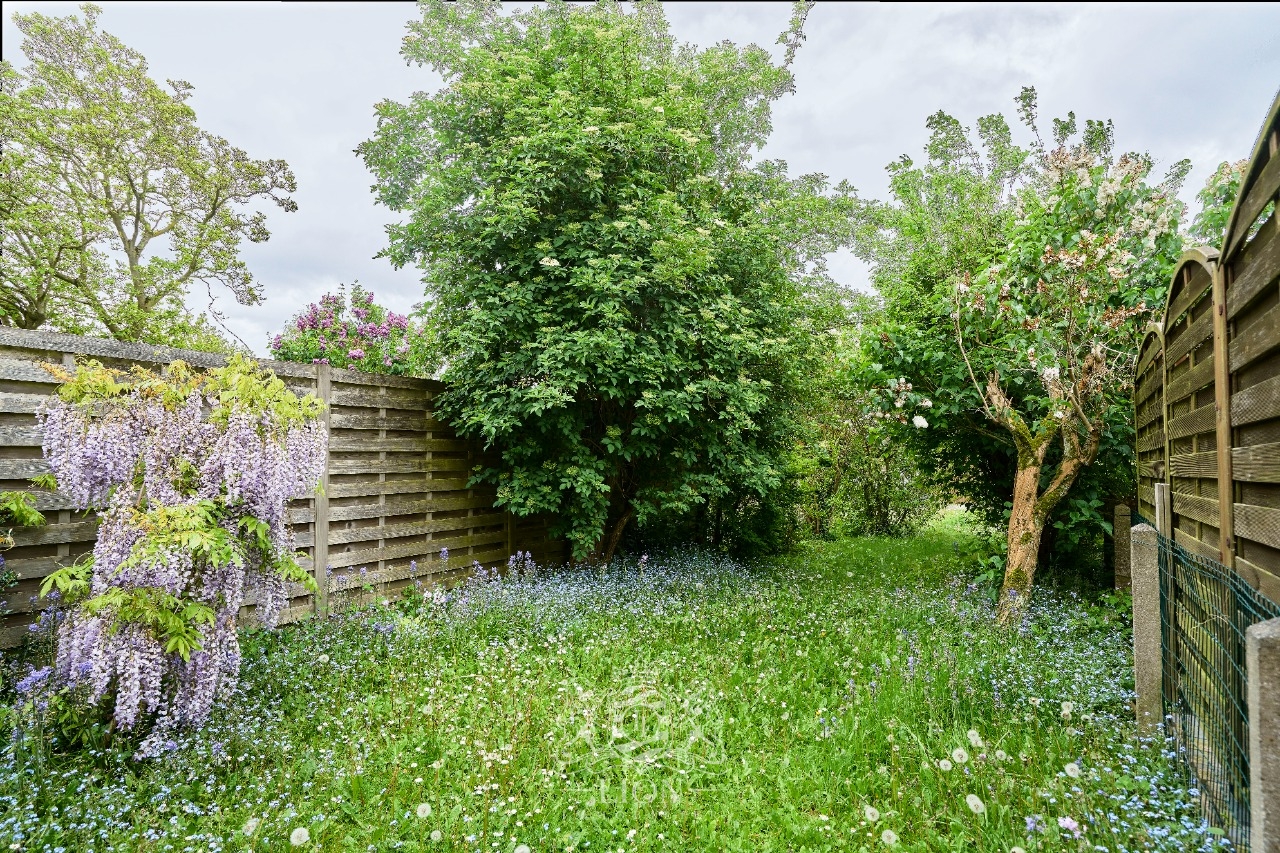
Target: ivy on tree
[
  {"x": 98, "y": 164},
  {"x": 624, "y": 304}
]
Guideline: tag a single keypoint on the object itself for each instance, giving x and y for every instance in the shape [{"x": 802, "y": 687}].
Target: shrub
[
  {"x": 858, "y": 478},
  {"x": 368, "y": 338}
]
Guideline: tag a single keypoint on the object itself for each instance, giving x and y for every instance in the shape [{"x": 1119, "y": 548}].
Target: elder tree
[{"x": 623, "y": 302}]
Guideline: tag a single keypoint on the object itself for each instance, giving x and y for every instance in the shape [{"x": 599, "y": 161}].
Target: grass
[{"x": 849, "y": 696}]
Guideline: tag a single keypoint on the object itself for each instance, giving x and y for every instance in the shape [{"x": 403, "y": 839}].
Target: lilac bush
[
  {"x": 190, "y": 475},
  {"x": 364, "y": 336}
]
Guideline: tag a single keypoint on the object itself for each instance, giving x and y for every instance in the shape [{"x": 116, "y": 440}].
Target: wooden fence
[
  {"x": 395, "y": 487},
  {"x": 1208, "y": 387}
]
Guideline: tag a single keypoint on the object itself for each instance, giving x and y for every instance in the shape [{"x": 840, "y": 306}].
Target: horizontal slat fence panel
[
  {"x": 1149, "y": 404},
  {"x": 1188, "y": 461},
  {"x": 1251, "y": 267},
  {"x": 398, "y": 483},
  {"x": 1256, "y": 272}
]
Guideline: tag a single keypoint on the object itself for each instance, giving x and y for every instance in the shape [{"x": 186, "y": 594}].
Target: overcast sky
[{"x": 298, "y": 81}]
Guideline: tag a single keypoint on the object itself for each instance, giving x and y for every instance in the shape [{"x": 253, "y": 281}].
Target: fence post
[
  {"x": 1120, "y": 537},
  {"x": 1145, "y": 566},
  {"x": 320, "y": 525},
  {"x": 1222, "y": 421},
  {"x": 1164, "y": 510},
  {"x": 1262, "y": 664}
]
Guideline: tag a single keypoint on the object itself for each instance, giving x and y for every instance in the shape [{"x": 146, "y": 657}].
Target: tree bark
[
  {"x": 1026, "y": 525},
  {"x": 609, "y": 541}
]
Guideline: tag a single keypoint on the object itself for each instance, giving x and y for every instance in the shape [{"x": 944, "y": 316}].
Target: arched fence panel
[
  {"x": 1251, "y": 277},
  {"x": 1207, "y": 418},
  {"x": 1191, "y": 424},
  {"x": 1149, "y": 419}
]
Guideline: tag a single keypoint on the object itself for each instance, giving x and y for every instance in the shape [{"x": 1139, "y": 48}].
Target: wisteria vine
[{"x": 191, "y": 475}]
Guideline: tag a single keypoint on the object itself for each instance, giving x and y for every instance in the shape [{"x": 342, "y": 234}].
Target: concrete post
[
  {"x": 1145, "y": 566},
  {"x": 1120, "y": 533},
  {"x": 1262, "y": 661}
]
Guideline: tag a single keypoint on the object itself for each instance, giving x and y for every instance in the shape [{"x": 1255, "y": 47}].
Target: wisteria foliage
[{"x": 191, "y": 475}]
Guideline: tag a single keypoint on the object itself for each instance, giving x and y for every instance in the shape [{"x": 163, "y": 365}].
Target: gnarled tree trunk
[
  {"x": 1031, "y": 506},
  {"x": 1025, "y": 528}
]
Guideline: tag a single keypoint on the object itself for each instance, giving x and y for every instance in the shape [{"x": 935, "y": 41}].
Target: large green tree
[
  {"x": 114, "y": 204},
  {"x": 625, "y": 304}
]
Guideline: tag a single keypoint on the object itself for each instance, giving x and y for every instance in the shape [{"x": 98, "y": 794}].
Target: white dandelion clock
[
  {"x": 436, "y": 835},
  {"x": 299, "y": 836},
  {"x": 424, "y": 810},
  {"x": 251, "y": 826},
  {"x": 889, "y": 837},
  {"x": 975, "y": 804},
  {"x": 975, "y": 739},
  {"x": 872, "y": 813},
  {"x": 944, "y": 765},
  {"x": 959, "y": 756},
  {"x": 1072, "y": 770}
]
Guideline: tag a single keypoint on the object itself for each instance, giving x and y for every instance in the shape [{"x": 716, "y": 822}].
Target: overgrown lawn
[{"x": 850, "y": 697}]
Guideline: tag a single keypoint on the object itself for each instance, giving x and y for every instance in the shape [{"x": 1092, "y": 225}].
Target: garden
[
  {"x": 837, "y": 567},
  {"x": 855, "y": 695}
]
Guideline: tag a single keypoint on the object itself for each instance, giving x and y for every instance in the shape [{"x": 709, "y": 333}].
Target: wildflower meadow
[{"x": 853, "y": 696}]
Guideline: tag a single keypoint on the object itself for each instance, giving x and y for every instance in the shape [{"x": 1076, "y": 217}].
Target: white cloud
[{"x": 299, "y": 82}]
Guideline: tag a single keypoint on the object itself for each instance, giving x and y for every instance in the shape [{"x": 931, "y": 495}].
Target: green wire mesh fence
[{"x": 1205, "y": 609}]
